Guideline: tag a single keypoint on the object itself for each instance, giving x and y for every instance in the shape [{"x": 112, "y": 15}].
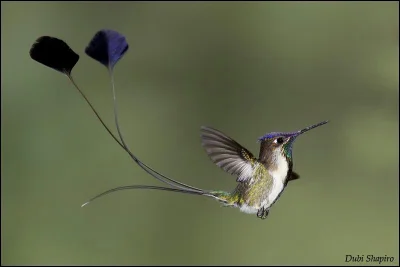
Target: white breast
[
  {"x": 281, "y": 171},
  {"x": 279, "y": 175}
]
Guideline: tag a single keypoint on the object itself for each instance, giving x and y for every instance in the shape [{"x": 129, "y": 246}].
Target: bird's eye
[{"x": 278, "y": 140}]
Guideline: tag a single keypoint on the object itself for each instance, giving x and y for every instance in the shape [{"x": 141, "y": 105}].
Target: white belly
[
  {"x": 248, "y": 209},
  {"x": 275, "y": 191}
]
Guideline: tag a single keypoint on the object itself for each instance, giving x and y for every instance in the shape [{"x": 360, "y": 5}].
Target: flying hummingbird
[{"x": 260, "y": 182}]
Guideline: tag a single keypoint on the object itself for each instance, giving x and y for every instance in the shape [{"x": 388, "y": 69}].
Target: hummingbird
[{"x": 260, "y": 181}]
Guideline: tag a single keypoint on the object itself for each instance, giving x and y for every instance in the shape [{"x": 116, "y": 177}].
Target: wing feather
[{"x": 227, "y": 154}]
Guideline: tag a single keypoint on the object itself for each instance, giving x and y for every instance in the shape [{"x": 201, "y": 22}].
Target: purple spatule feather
[
  {"x": 54, "y": 53},
  {"x": 107, "y": 47}
]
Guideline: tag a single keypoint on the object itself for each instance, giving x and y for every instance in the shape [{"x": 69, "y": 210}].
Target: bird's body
[
  {"x": 262, "y": 190},
  {"x": 260, "y": 181}
]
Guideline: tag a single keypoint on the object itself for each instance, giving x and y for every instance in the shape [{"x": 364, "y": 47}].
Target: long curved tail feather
[
  {"x": 219, "y": 195},
  {"x": 169, "y": 181}
]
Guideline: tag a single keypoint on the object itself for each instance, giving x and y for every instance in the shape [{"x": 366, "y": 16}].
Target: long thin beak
[{"x": 311, "y": 127}]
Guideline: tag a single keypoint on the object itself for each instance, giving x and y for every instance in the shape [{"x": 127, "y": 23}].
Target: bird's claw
[{"x": 262, "y": 213}]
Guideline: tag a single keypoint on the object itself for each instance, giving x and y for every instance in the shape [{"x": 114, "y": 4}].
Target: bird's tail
[
  {"x": 172, "y": 184},
  {"x": 221, "y": 196}
]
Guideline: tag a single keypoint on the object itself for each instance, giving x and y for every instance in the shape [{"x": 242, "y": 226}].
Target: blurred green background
[{"x": 243, "y": 68}]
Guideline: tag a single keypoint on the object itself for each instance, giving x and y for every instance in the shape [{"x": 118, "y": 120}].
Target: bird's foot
[{"x": 262, "y": 213}]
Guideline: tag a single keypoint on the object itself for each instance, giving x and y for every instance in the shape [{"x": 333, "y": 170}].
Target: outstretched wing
[{"x": 228, "y": 154}]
